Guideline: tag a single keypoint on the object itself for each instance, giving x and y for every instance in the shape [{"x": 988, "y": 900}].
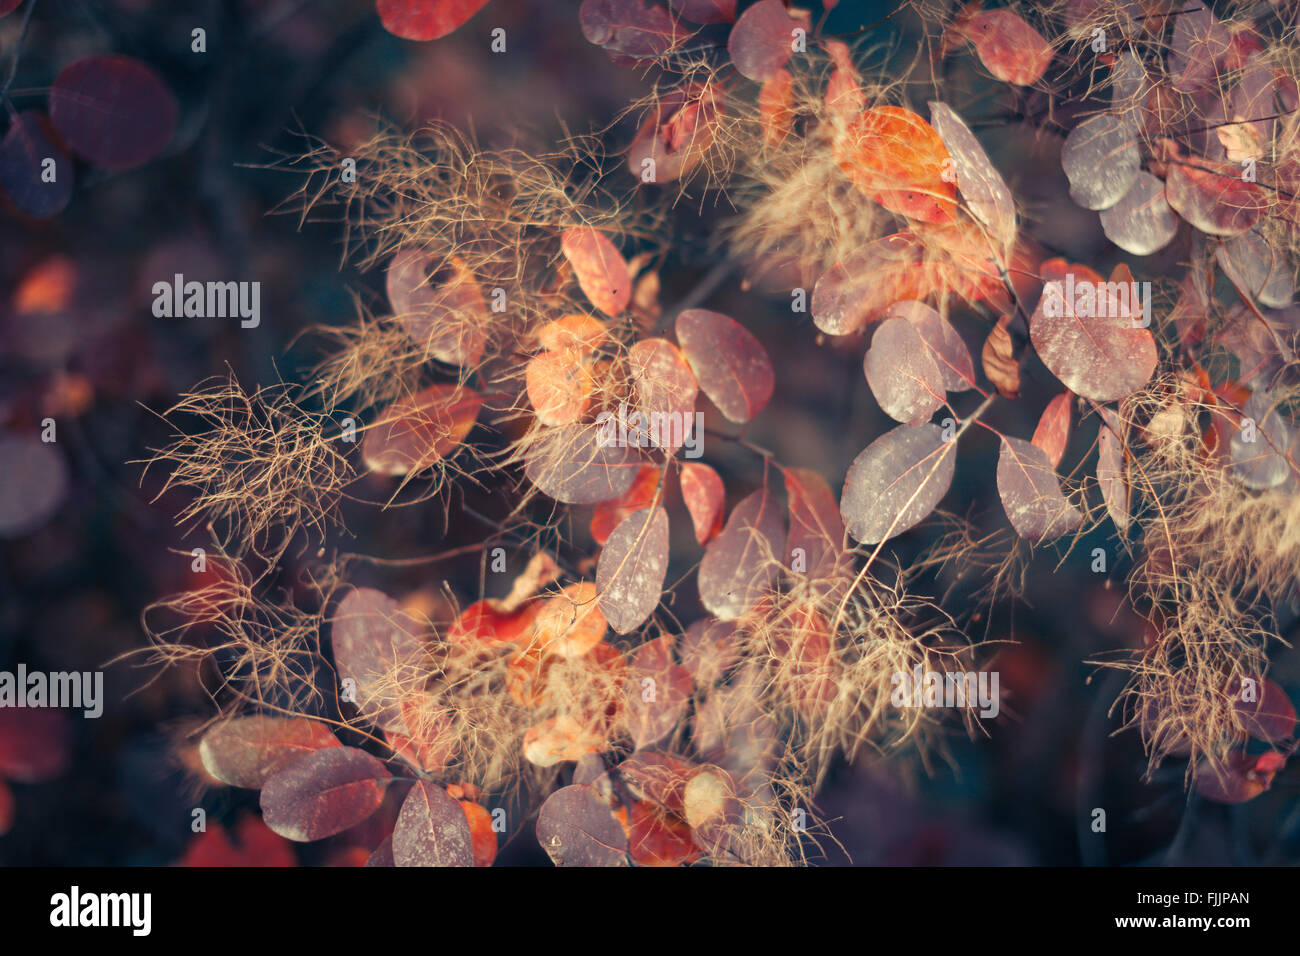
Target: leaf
[
  {"x": 559, "y": 739},
  {"x": 1261, "y": 463},
  {"x": 1031, "y": 494},
  {"x": 998, "y": 359},
  {"x": 571, "y": 623},
  {"x": 896, "y": 481},
  {"x": 703, "y": 493},
  {"x": 245, "y": 751},
  {"x": 1217, "y": 203},
  {"x": 659, "y": 690},
  {"x": 895, "y": 158},
  {"x": 729, "y": 363},
  {"x": 581, "y": 334},
  {"x": 676, "y": 135},
  {"x": 426, "y": 19},
  {"x": 34, "y": 744},
  {"x": 776, "y": 107},
  {"x": 816, "y": 527},
  {"x": 861, "y": 288},
  {"x": 1083, "y": 331},
  {"x": 1009, "y": 48},
  {"x": 1245, "y": 777},
  {"x": 113, "y": 111},
  {"x": 845, "y": 97},
  {"x": 656, "y": 838},
  {"x": 258, "y": 845},
  {"x": 978, "y": 180},
  {"x": 665, "y": 389},
  {"x": 745, "y": 559},
  {"x": 378, "y": 645},
  {"x": 559, "y": 386},
  {"x": 582, "y": 464},
  {"x": 1142, "y": 222},
  {"x": 902, "y": 372},
  {"x": 1110, "y": 469},
  {"x": 1253, "y": 266},
  {"x": 1271, "y": 716},
  {"x": 1199, "y": 40},
  {"x": 706, "y": 11},
  {"x": 445, "y": 313},
  {"x": 23, "y": 152},
  {"x": 1053, "y": 431},
  {"x": 432, "y": 829},
  {"x": 417, "y": 432},
  {"x": 709, "y": 649},
  {"x": 483, "y": 834},
  {"x": 602, "y": 272},
  {"x": 1101, "y": 159},
  {"x": 629, "y": 30},
  {"x": 630, "y": 572},
  {"x": 942, "y": 341},
  {"x": 610, "y": 514},
  {"x": 323, "y": 793},
  {"x": 33, "y": 483},
  {"x": 762, "y": 41},
  {"x": 576, "y": 828}
]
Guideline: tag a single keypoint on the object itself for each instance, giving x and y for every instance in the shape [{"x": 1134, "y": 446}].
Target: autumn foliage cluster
[{"x": 523, "y": 317}]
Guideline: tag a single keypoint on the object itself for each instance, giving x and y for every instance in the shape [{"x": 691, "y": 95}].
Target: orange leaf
[
  {"x": 776, "y": 107},
  {"x": 415, "y": 433},
  {"x": 601, "y": 271},
  {"x": 898, "y": 160},
  {"x": 570, "y": 623},
  {"x": 703, "y": 493},
  {"x": 609, "y": 514},
  {"x": 559, "y": 387}
]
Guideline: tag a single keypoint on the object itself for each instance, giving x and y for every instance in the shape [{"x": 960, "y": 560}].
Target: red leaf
[
  {"x": 560, "y": 386},
  {"x": 112, "y": 110},
  {"x": 1083, "y": 331},
  {"x": 426, "y": 19},
  {"x": 1271, "y": 716},
  {"x": 860, "y": 289},
  {"x": 432, "y": 829},
  {"x": 729, "y": 363},
  {"x": 703, "y": 493},
  {"x": 1245, "y": 778},
  {"x": 23, "y": 152},
  {"x": 845, "y": 98},
  {"x": 665, "y": 392},
  {"x": 1217, "y": 203},
  {"x": 942, "y": 341},
  {"x": 609, "y": 514},
  {"x": 1053, "y": 431},
  {"x": 629, "y": 30},
  {"x": 256, "y": 844},
  {"x": 896, "y": 158},
  {"x": 34, "y": 744},
  {"x": 324, "y": 793},
  {"x": 1009, "y": 48},
  {"x": 245, "y": 751},
  {"x": 896, "y": 481},
  {"x": 745, "y": 559},
  {"x": 417, "y": 432},
  {"x": 659, "y": 690},
  {"x": 631, "y": 569},
  {"x": 602, "y": 272},
  {"x": 762, "y": 41},
  {"x": 677, "y": 134},
  {"x": 445, "y": 313},
  {"x": 706, "y": 11},
  {"x": 582, "y": 464},
  {"x": 376, "y": 644},
  {"x": 482, "y": 832},
  {"x": 816, "y": 527},
  {"x": 776, "y": 107},
  {"x": 656, "y": 838},
  {"x": 1110, "y": 469},
  {"x": 902, "y": 373},
  {"x": 576, "y": 828},
  {"x": 1031, "y": 493}
]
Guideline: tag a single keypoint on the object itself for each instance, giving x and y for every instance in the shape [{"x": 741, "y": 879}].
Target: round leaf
[
  {"x": 324, "y": 793},
  {"x": 896, "y": 481},
  {"x": 112, "y": 110}
]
